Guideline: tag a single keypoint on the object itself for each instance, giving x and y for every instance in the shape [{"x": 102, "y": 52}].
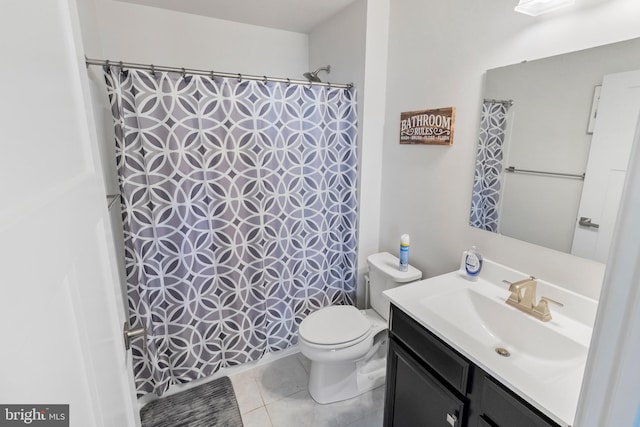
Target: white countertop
[{"x": 550, "y": 384}]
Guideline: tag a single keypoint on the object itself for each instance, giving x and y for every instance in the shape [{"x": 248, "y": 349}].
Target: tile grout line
[
  {"x": 268, "y": 416},
  {"x": 264, "y": 404}
]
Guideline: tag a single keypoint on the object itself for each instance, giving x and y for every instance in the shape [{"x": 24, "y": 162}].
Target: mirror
[{"x": 544, "y": 133}]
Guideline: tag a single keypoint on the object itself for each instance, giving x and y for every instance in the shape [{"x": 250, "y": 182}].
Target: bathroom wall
[
  {"x": 135, "y": 33},
  {"x": 354, "y": 42},
  {"x": 438, "y": 52}
]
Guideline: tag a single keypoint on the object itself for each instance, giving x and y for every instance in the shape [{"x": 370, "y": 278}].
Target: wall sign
[{"x": 427, "y": 126}]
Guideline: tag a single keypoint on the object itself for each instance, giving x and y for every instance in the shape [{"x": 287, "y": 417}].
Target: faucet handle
[
  {"x": 542, "y": 308},
  {"x": 547, "y": 299}
]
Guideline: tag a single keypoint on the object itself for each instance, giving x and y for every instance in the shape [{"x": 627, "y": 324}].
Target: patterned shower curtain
[
  {"x": 239, "y": 209},
  {"x": 485, "y": 201}
]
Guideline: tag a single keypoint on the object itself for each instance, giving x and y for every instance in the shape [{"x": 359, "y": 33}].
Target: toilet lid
[{"x": 336, "y": 324}]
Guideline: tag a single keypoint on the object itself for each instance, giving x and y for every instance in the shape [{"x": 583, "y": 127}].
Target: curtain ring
[
  {"x": 328, "y": 85},
  {"x": 107, "y": 66},
  {"x": 213, "y": 77},
  {"x": 264, "y": 79},
  {"x": 239, "y": 77},
  {"x": 153, "y": 71},
  {"x": 288, "y": 81},
  {"x": 184, "y": 73}
]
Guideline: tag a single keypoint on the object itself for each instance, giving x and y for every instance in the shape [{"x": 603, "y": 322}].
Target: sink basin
[
  {"x": 485, "y": 318},
  {"x": 546, "y": 360}
]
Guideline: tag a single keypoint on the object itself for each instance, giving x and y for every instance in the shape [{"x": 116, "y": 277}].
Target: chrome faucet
[{"x": 523, "y": 297}]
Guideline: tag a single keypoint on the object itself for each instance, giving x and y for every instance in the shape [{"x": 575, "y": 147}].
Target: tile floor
[{"x": 275, "y": 394}]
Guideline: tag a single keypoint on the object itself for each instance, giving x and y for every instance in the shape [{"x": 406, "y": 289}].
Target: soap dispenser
[{"x": 473, "y": 263}]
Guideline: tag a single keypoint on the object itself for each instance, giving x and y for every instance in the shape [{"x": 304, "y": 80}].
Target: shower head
[{"x": 313, "y": 76}]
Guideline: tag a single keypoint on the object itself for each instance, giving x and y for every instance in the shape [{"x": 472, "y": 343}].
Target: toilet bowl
[{"x": 347, "y": 346}]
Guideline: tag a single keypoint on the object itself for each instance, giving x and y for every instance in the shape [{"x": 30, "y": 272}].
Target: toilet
[{"x": 347, "y": 347}]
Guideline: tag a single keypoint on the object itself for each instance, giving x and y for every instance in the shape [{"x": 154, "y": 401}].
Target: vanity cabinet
[{"x": 430, "y": 384}]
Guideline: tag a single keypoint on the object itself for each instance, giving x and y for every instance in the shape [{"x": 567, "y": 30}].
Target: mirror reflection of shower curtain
[
  {"x": 239, "y": 210},
  {"x": 485, "y": 200}
]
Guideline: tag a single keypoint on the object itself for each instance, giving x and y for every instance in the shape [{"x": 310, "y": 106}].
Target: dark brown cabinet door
[
  {"x": 414, "y": 397},
  {"x": 504, "y": 409}
]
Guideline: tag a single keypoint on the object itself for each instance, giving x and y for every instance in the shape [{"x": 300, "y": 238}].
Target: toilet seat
[{"x": 335, "y": 326}]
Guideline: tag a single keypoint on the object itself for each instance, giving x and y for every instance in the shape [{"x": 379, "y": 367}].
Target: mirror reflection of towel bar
[{"x": 513, "y": 169}]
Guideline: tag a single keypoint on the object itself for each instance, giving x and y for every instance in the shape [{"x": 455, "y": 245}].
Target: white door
[
  {"x": 606, "y": 169},
  {"x": 61, "y": 310}
]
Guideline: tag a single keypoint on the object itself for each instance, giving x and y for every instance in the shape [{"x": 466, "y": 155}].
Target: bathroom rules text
[{"x": 427, "y": 126}]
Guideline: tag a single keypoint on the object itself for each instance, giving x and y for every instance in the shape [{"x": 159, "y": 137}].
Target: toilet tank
[{"x": 384, "y": 274}]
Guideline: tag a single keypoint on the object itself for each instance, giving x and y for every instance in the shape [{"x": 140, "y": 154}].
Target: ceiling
[{"x": 292, "y": 15}]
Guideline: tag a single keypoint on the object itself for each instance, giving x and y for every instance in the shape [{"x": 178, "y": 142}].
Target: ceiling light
[{"x": 538, "y": 7}]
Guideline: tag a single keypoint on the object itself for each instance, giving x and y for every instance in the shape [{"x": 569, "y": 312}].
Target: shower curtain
[
  {"x": 239, "y": 211},
  {"x": 485, "y": 201}
]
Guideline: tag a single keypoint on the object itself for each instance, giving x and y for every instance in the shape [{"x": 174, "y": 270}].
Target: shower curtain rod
[
  {"x": 212, "y": 74},
  {"x": 508, "y": 102}
]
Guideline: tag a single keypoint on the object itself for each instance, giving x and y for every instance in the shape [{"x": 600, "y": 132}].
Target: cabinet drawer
[
  {"x": 441, "y": 358},
  {"x": 503, "y": 408}
]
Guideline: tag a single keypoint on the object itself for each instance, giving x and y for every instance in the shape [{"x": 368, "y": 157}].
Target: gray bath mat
[{"x": 209, "y": 405}]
